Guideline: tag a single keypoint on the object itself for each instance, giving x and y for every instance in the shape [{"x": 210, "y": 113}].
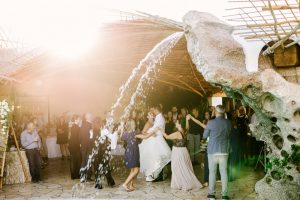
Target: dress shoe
[
  {"x": 99, "y": 186},
  {"x": 111, "y": 184}
]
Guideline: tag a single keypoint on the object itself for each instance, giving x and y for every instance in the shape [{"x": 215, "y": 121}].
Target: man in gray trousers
[{"x": 217, "y": 131}]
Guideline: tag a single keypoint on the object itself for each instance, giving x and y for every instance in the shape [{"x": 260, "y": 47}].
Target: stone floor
[{"x": 57, "y": 185}]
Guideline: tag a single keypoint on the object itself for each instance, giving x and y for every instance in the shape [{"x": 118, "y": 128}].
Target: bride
[{"x": 155, "y": 153}]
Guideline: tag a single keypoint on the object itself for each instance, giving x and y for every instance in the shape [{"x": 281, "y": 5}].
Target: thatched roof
[{"x": 121, "y": 46}]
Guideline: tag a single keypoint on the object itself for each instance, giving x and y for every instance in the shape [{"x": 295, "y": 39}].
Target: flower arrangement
[{"x": 4, "y": 117}]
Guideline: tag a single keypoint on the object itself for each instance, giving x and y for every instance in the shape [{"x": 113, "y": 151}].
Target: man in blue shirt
[
  {"x": 31, "y": 142},
  {"x": 218, "y": 130}
]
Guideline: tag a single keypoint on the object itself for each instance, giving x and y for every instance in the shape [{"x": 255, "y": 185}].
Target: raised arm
[
  {"x": 207, "y": 130},
  {"x": 213, "y": 113},
  {"x": 146, "y": 127},
  {"x": 149, "y": 134},
  {"x": 187, "y": 120},
  {"x": 198, "y": 122},
  {"x": 172, "y": 136}
]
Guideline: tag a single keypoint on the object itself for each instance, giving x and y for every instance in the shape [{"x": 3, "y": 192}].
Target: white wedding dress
[{"x": 155, "y": 153}]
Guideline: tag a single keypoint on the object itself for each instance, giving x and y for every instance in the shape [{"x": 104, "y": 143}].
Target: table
[
  {"x": 13, "y": 171},
  {"x": 52, "y": 147}
]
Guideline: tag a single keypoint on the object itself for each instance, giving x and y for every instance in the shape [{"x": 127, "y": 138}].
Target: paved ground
[{"x": 57, "y": 184}]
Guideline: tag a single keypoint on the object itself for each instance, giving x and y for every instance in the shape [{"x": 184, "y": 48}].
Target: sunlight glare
[{"x": 71, "y": 43}]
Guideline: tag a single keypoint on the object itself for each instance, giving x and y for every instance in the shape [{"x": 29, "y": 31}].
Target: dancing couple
[{"x": 153, "y": 153}]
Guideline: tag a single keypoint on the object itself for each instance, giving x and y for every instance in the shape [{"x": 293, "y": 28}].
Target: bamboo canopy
[
  {"x": 14, "y": 54},
  {"x": 267, "y": 20},
  {"x": 121, "y": 46}
]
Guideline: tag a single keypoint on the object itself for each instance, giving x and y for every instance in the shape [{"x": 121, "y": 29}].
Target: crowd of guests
[
  {"x": 227, "y": 135},
  {"x": 187, "y": 132},
  {"x": 76, "y": 137}
]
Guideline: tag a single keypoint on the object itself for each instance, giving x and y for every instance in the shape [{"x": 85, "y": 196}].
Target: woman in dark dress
[
  {"x": 170, "y": 126},
  {"x": 235, "y": 153},
  {"x": 74, "y": 147},
  {"x": 242, "y": 128},
  {"x": 101, "y": 165},
  {"x": 62, "y": 136},
  {"x": 132, "y": 155}
]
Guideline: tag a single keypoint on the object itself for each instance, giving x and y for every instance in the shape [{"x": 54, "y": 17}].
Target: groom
[{"x": 155, "y": 153}]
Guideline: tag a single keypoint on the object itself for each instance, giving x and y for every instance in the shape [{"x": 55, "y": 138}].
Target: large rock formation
[{"x": 275, "y": 101}]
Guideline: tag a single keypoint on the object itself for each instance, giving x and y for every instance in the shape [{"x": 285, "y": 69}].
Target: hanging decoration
[{"x": 4, "y": 117}]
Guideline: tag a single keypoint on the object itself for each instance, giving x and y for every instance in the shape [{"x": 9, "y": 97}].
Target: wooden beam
[
  {"x": 265, "y": 35},
  {"x": 173, "y": 84},
  {"x": 193, "y": 71},
  {"x": 272, "y": 24},
  {"x": 279, "y": 7},
  {"x": 275, "y": 20},
  {"x": 277, "y": 44},
  {"x": 184, "y": 83}
]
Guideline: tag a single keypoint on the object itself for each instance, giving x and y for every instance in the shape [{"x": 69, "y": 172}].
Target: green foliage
[
  {"x": 295, "y": 156},
  {"x": 280, "y": 166}
]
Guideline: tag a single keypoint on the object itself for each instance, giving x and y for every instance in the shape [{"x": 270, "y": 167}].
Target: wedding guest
[
  {"x": 174, "y": 114},
  {"x": 206, "y": 170},
  {"x": 170, "y": 126},
  {"x": 203, "y": 125},
  {"x": 132, "y": 155},
  {"x": 194, "y": 137},
  {"x": 42, "y": 134},
  {"x": 242, "y": 127},
  {"x": 62, "y": 136},
  {"x": 218, "y": 131},
  {"x": 74, "y": 147},
  {"x": 183, "y": 112},
  {"x": 140, "y": 121},
  {"x": 212, "y": 111},
  {"x": 100, "y": 162},
  {"x": 169, "y": 123},
  {"x": 183, "y": 176},
  {"x": 84, "y": 136},
  {"x": 31, "y": 142},
  {"x": 235, "y": 152},
  {"x": 161, "y": 107}
]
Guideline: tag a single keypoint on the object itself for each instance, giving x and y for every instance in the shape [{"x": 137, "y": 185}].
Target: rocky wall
[{"x": 276, "y": 102}]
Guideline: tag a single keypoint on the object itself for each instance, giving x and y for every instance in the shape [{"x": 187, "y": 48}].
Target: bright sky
[{"x": 62, "y": 25}]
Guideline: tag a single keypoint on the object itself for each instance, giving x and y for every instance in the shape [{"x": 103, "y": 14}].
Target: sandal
[{"x": 126, "y": 188}]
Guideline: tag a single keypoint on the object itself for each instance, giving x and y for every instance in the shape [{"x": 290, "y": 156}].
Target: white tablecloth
[{"x": 53, "y": 148}]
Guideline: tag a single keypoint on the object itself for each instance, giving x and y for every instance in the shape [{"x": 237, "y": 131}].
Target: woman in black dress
[
  {"x": 74, "y": 147},
  {"x": 99, "y": 161},
  {"x": 170, "y": 127},
  {"x": 242, "y": 128},
  {"x": 132, "y": 154},
  {"x": 235, "y": 154},
  {"x": 62, "y": 136}
]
